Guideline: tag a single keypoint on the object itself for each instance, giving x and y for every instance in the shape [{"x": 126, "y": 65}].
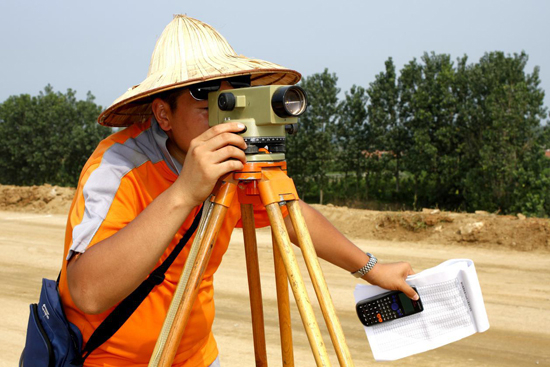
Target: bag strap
[{"x": 126, "y": 308}]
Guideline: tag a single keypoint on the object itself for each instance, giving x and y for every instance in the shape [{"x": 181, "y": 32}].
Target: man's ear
[{"x": 161, "y": 110}]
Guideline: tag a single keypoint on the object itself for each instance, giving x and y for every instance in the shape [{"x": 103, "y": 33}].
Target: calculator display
[
  {"x": 386, "y": 307},
  {"x": 406, "y": 302}
]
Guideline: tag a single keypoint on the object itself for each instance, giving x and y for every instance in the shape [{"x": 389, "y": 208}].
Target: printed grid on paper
[{"x": 445, "y": 311}]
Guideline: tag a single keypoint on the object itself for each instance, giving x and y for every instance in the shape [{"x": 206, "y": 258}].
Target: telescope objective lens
[
  {"x": 294, "y": 102},
  {"x": 289, "y": 101}
]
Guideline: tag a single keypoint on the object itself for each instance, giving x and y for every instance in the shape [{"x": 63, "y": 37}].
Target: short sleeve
[{"x": 107, "y": 209}]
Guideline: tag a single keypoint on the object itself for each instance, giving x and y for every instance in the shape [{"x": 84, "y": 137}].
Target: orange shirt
[{"x": 126, "y": 172}]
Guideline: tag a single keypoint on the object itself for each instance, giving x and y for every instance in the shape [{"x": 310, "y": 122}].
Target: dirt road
[{"x": 515, "y": 285}]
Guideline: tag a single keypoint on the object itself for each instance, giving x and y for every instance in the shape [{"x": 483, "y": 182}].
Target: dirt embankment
[
  {"x": 37, "y": 199},
  {"x": 479, "y": 229}
]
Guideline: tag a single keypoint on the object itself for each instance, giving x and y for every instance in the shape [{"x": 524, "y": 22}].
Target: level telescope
[{"x": 268, "y": 112}]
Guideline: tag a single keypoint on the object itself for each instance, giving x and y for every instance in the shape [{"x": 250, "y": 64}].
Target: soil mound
[
  {"x": 479, "y": 229},
  {"x": 38, "y": 199}
]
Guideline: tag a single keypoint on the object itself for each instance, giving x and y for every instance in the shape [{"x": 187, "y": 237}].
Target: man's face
[{"x": 189, "y": 119}]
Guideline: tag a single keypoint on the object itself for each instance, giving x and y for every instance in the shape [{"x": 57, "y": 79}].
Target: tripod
[{"x": 268, "y": 183}]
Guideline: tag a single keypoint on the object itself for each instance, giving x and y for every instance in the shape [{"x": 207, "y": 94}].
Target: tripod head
[{"x": 268, "y": 112}]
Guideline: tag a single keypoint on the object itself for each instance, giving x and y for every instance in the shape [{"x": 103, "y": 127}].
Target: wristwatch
[{"x": 365, "y": 269}]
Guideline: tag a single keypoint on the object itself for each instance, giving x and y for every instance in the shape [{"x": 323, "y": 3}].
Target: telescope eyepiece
[{"x": 226, "y": 101}]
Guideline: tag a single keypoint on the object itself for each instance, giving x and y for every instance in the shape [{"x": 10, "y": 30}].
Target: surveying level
[{"x": 268, "y": 112}]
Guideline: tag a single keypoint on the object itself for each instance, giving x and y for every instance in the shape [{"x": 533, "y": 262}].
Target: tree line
[
  {"x": 453, "y": 135},
  {"x": 440, "y": 133},
  {"x": 47, "y": 138}
]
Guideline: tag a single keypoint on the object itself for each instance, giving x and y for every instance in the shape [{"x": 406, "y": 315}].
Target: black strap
[{"x": 126, "y": 308}]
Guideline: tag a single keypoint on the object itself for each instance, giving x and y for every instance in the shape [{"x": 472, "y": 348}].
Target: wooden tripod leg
[
  {"x": 174, "y": 325},
  {"x": 283, "y": 305},
  {"x": 319, "y": 283},
  {"x": 254, "y": 284},
  {"x": 297, "y": 285}
]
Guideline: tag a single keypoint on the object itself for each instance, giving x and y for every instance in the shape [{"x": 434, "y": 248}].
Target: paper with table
[{"x": 453, "y": 309}]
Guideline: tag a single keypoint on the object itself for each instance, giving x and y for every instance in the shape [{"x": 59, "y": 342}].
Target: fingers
[
  {"x": 229, "y": 152},
  {"x": 209, "y": 156},
  {"x": 224, "y": 139},
  {"x": 217, "y": 138},
  {"x": 409, "y": 291},
  {"x": 222, "y": 129},
  {"x": 218, "y": 149},
  {"x": 393, "y": 277},
  {"x": 229, "y": 166},
  {"x": 214, "y": 153},
  {"x": 406, "y": 288},
  {"x": 218, "y": 144}
]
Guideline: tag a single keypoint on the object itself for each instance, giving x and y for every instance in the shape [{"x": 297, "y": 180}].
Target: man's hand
[
  {"x": 211, "y": 155},
  {"x": 392, "y": 277}
]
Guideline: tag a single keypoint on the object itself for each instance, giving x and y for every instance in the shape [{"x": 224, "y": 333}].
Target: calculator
[{"x": 387, "y": 307}]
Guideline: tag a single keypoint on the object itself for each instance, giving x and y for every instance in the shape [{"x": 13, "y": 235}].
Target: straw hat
[{"x": 188, "y": 52}]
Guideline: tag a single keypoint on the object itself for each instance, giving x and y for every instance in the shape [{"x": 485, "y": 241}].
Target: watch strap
[{"x": 368, "y": 266}]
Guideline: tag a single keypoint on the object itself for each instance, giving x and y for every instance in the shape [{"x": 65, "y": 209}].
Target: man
[{"x": 142, "y": 187}]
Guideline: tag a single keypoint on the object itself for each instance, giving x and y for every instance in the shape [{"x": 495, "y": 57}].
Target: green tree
[
  {"x": 506, "y": 168},
  {"x": 428, "y": 110},
  {"x": 352, "y": 135},
  {"x": 310, "y": 151},
  {"x": 417, "y": 154},
  {"x": 47, "y": 138},
  {"x": 385, "y": 126}
]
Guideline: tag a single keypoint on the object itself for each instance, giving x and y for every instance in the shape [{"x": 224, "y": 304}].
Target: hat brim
[{"x": 135, "y": 105}]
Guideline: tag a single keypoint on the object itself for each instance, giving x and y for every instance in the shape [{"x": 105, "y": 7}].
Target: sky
[{"x": 105, "y": 46}]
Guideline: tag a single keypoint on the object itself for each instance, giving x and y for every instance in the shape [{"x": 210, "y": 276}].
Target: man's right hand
[{"x": 211, "y": 155}]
